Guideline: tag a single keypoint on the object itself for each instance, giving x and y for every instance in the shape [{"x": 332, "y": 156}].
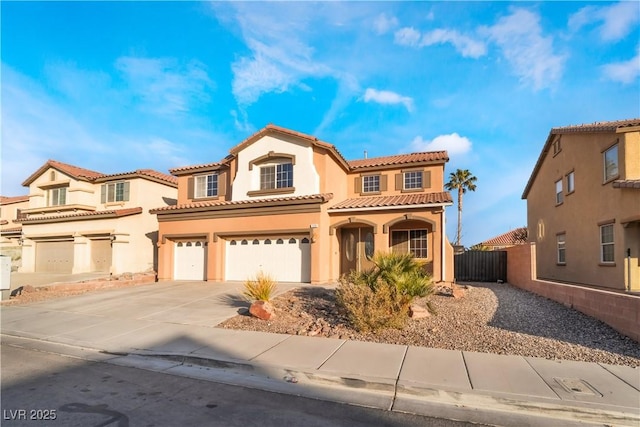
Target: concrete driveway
[
  {"x": 183, "y": 303},
  {"x": 42, "y": 279}
]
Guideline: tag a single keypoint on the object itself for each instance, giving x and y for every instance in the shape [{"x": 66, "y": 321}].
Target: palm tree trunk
[{"x": 459, "y": 216}]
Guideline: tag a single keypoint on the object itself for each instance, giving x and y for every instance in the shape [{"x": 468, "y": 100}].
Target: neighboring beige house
[
  {"x": 79, "y": 220},
  {"x": 583, "y": 205},
  {"x": 290, "y": 205},
  {"x": 10, "y": 232},
  {"x": 514, "y": 237}
]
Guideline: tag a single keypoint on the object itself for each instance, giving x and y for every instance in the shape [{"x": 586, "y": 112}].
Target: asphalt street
[{"x": 48, "y": 389}]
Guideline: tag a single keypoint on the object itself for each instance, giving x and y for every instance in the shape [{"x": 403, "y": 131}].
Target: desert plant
[
  {"x": 260, "y": 288},
  {"x": 384, "y": 292},
  {"x": 369, "y": 309}
]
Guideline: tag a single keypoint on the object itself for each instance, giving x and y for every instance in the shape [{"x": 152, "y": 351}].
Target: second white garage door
[{"x": 285, "y": 259}]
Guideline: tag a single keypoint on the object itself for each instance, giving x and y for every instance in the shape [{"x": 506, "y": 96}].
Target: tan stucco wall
[
  {"x": 581, "y": 212},
  {"x": 9, "y": 212}
]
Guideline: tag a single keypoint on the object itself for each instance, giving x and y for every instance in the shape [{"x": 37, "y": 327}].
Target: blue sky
[{"x": 118, "y": 86}]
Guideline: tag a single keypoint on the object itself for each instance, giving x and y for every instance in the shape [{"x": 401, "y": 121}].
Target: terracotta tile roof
[
  {"x": 115, "y": 213},
  {"x": 239, "y": 203},
  {"x": 398, "y": 159},
  {"x": 598, "y": 126},
  {"x": 73, "y": 171},
  {"x": 4, "y": 200},
  {"x": 11, "y": 230},
  {"x": 611, "y": 126},
  {"x": 513, "y": 237},
  {"x": 392, "y": 201},
  {"x": 141, "y": 173},
  {"x": 207, "y": 166},
  {"x": 626, "y": 183}
]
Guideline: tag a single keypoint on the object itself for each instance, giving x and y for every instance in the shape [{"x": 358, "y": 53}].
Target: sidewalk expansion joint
[{"x": 395, "y": 386}]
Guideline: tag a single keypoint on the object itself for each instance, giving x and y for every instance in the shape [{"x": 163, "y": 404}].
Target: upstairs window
[
  {"x": 276, "y": 176},
  {"x": 206, "y": 186},
  {"x": 114, "y": 192},
  {"x": 610, "y": 158},
  {"x": 371, "y": 184},
  {"x": 413, "y": 180},
  {"x": 57, "y": 196},
  {"x": 558, "y": 192},
  {"x": 606, "y": 243},
  {"x": 571, "y": 184}
]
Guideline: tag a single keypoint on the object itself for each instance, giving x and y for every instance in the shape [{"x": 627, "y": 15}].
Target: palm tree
[{"x": 461, "y": 180}]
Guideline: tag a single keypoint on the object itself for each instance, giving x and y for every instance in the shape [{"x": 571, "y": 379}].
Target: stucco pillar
[
  {"x": 81, "y": 255},
  {"x": 28, "y": 256}
]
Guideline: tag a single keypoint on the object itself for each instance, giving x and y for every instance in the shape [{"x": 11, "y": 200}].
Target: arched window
[
  {"x": 233, "y": 243},
  {"x": 189, "y": 244},
  {"x": 179, "y": 244},
  {"x": 305, "y": 240},
  {"x": 198, "y": 244},
  {"x": 256, "y": 242},
  {"x": 244, "y": 242},
  {"x": 267, "y": 242},
  {"x": 292, "y": 241},
  {"x": 279, "y": 242}
]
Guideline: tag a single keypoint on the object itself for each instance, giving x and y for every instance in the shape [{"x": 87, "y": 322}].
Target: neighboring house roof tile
[
  {"x": 114, "y": 213},
  {"x": 193, "y": 168},
  {"x": 224, "y": 203},
  {"x": 626, "y": 183},
  {"x": 398, "y": 159},
  {"x": 4, "y": 200},
  {"x": 598, "y": 126},
  {"x": 391, "y": 201},
  {"x": 611, "y": 126},
  {"x": 73, "y": 171},
  {"x": 11, "y": 230},
  {"x": 141, "y": 173},
  {"x": 513, "y": 237}
]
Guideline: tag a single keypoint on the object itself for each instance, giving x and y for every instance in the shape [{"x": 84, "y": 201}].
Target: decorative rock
[
  {"x": 418, "y": 312},
  {"x": 262, "y": 310},
  {"x": 457, "y": 292}
]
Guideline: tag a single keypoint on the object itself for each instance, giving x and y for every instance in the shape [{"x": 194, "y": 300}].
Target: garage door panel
[
  {"x": 189, "y": 261},
  {"x": 54, "y": 257},
  {"x": 285, "y": 258}
]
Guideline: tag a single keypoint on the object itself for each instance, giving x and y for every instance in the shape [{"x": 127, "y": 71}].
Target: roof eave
[{"x": 384, "y": 208}]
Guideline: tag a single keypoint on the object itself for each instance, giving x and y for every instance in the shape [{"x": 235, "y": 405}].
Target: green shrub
[
  {"x": 380, "y": 297},
  {"x": 261, "y": 288}
]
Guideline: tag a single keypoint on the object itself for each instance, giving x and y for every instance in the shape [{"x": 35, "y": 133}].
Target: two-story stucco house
[
  {"x": 583, "y": 205},
  {"x": 80, "y": 220},
  {"x": 290, "y": 205},
  {"x": 10, "y": 232}
]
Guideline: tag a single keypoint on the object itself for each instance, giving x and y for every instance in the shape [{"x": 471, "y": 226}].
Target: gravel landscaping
[{"x": 490, "y": 318}]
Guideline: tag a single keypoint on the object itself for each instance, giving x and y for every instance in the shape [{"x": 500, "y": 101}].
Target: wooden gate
[{"x": 480, "y": 266}]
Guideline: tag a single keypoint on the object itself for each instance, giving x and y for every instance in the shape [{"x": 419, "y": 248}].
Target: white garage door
[
  {"x": 54, "y": 257},
  {"x": 189, "y": 261},
  {"x": 285, "y": 259}
]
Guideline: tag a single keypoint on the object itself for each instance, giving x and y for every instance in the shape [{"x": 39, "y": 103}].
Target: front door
[{"x": 356, "y": 248}]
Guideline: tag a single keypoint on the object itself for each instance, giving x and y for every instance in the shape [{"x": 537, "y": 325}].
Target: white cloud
[
  {"x": 388, "y": 97},
  {"x": 407, "y": 36},
  {"x": 616, "y": 21},
  {"x": 383, "y": 23},
  {"x": 465, "y": 45},
  {"x": 165, "y": 86},
  {"x": 625, "y": 71},
  {"x": 527, "y": 50},
  {"x": 453, "y": 143}
]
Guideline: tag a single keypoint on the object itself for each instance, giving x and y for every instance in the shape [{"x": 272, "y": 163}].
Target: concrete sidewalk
[{"x": 171, "y": 329}]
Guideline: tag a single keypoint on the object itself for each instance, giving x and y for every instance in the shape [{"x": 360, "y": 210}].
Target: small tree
[{"x": 461, "y": 180}]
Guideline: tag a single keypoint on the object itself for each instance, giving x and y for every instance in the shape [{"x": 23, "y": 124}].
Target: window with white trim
[
  {"x": 606, "y": 243},
  {"x": 206, "y": 186},
  {"x": 558, "y": 192},
  {"x": 560, "y": 242},
  {"x": 610, "y": 159},
  {"x": 276, "y": 176},
  {"x": 57, "y": 196},
  {"x": 412, "y": 180},
  {"x": 371, "y": 184},
  {"x": 410, "y": 241}
]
